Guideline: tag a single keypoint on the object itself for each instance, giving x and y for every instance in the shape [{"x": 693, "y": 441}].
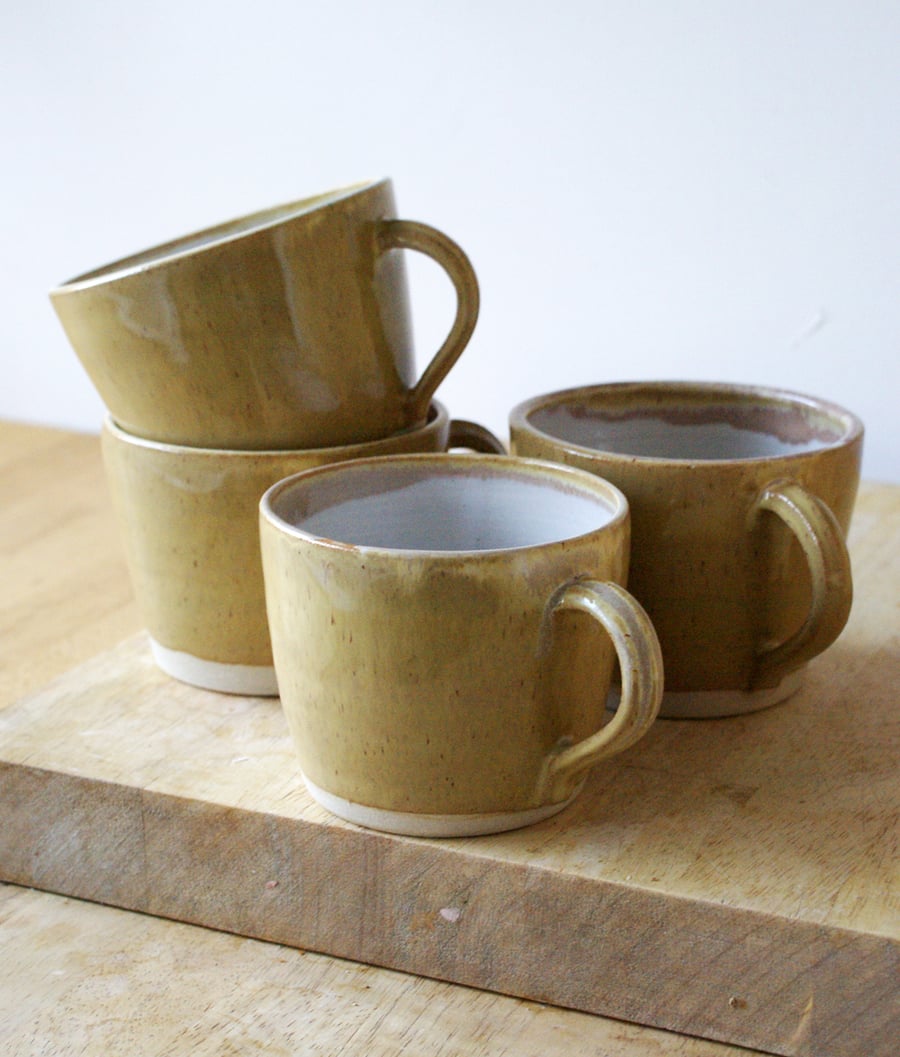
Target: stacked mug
[
  {"x": 454, "y": 642},
  {"x": 232, "y": 358}
]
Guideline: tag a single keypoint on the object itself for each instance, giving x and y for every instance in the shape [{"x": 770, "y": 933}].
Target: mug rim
[
  {"x": 438, "y": 416},
  {"x": 851, "y": 426},
  {"x": 206, "y": 239},
  {"x": 580, "y": 481}
]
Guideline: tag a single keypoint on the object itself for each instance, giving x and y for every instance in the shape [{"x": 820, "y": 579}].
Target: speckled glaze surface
[
  {"x": 188, "y": 521},
  {"x": 289, "y": 328},
  {"x": 430, "y": 620},
  {"x": 741, "y": 498}
]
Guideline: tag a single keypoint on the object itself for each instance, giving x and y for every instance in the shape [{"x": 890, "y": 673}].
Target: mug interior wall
[
  {"x": 656, "y": 425},
  {"x": 419, "y": 509}
]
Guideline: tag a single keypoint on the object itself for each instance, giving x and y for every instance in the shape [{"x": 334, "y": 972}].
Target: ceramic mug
[
  {"x": 741, "y": 497},
  {"x": 188, "y": 521},
  {"x": 288, "y": 328},
  {"x": 430, "y": 621}
]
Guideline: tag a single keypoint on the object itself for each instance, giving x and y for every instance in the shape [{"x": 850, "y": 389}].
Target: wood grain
[
  {"x": 79, "y": 978},
  {"x": 91, "y": 981},
  {"x": 66, "y": 594},
  {"x": 733, "y": 879}
]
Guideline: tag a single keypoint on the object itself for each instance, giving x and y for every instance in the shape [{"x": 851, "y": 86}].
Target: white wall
[{"x": 646, "y": 189}]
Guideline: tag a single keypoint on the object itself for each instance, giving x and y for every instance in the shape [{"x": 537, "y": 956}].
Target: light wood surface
[
  {"x": 78, "y": 978},
  {"x": 715, "y": 901},
  {"x": 677, "y": 840},
  {"x": 87, "y": 980},
  {"x": 65, "y": 593}
]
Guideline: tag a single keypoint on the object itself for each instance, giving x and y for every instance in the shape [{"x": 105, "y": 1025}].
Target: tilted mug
[{"x": 289, "y": 328}]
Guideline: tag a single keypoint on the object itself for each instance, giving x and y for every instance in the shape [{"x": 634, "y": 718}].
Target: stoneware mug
[
  {"x": 432, "y": 633},
  {"x": 289, "y": 328},
  {"x": 741, "y": 499},
  {"x": 188, "y": 519}
]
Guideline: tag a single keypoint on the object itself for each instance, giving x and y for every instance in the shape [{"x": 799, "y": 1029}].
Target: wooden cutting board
[{"x": 734, "y": 879}]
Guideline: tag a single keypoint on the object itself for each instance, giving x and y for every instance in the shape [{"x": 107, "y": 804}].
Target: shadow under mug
[
  {"x": 741, "y": 498},
  {"x": 289, "y": 328},
  {"x": 444, "y": 630},
  {"x": 188, "y": 519}
]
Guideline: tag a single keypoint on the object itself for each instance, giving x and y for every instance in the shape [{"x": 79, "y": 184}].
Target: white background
[{"x": 676, "y": 189}]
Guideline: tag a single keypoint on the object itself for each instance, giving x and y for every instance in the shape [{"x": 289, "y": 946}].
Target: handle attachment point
[
  {"x": 822, "y": 540},
  {"x": 413, "y": 235},
  {"x": 641, "y": 669}
]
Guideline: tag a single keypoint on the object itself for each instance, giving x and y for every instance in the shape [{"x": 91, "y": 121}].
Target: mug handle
[
  {"x": 818, "y": 533},
  {"x": 471, "y": 435},
  {"x": 641, "y": 669},
  {"x": 413, "y": 235}
]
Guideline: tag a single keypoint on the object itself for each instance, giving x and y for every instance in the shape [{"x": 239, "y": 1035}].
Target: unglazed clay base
[
  {"x": 409, "y": 824},
  {"x": 707, "y": 704},
  {"x": 245, "y": 679},
  {"x": 710, "y": 704}
]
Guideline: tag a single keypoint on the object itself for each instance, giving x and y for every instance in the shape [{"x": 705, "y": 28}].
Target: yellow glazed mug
[
  {"x": 444, "y": 629},
  {"x": 188, "y": 522},
  {"x": 289, "y": 328},
  {"x": 741, "y": 498}
]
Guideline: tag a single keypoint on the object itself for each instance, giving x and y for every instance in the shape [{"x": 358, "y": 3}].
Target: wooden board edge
[{"x": 438, "y": 910}]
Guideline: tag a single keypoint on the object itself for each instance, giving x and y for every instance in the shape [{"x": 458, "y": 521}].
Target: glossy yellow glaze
[
  {"x": 454, "y": 681},
  {"x": 188, "y": 520},
  {"x": 286, "y": 329},
  {"x": 740, "y": 562}
]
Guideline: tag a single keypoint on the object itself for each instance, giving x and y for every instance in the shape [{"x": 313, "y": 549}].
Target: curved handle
[
  {"x": 471, "y": 435},
  {"x": 641, "y": 668},
  {"x": 413, "y": 235},
  {"x": 822, "y": 540}
]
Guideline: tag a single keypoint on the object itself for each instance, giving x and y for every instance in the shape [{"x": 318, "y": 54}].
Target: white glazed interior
[
  {"x": 436, "y": 506},
  {"x": 691, "y": 424}
]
